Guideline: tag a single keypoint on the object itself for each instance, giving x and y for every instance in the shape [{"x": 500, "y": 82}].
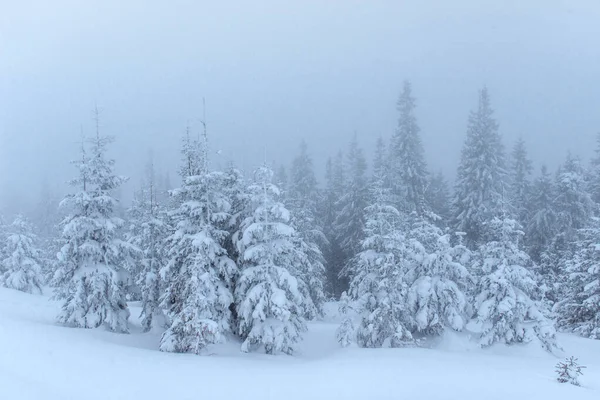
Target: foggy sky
[{"x": 274, "y": 72}]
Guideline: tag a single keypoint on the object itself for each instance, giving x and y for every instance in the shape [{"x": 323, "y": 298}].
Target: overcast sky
[{"x": 274, "y": 72}]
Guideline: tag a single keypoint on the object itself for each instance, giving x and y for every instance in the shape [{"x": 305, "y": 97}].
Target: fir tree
[
  {"x": 520, "y": 171},
  {"x": 350, "y": 219},
  {"x": 377, "y": 279},
  {"x": 302, "y": 199},
  {"x": 407, "y": 156},
  {"x": 268, "y": 303},
  {"x": 541, "y": 226},
  {"x": 574, "y": 205},
  {"x": 437, "y": 197},
  {"x": 89, "y": 279},
  {"x": 579, "y": 309},
  {"x": 199, "y": 272},
  {"x": 505, "y": 304},
  {"x": 148, "y": 233},
  {"x": 479, "y": 193},
  {"x": 436, "y": 296},
  {"x": 22, "y": 269}
]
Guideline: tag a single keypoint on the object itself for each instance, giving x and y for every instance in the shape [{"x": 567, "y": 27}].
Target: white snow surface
[{"x": 42, "y": 360}]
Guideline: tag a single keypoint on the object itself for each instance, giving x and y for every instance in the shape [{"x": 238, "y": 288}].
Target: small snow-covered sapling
[{"x": 569, "y": 371}]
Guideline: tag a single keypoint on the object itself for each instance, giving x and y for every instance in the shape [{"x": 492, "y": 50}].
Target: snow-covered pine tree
[
  {"x": 574, "y": 205},
  {"x": 148, "y": 233},
  {"x": 268, "y": 303},
  {"x": 520, "y": 186},
  {"x": 579, "y": 310},
  {"x": 436, "y": 297},
  {"x": 282, "y": 181},
  {"x": 437, "y": 196},
  {"x": 506, "y": 309},
  {"x": 350, "y": 220},
  {"x": 22, "y": 268},
  {"x": 377, "y": 278},
  {"x": 479, "y": 193},
  {"x": 407, "y": 157},
  {"x": 89, "y": 278},
  {"x": 541, "y": 226},
  {"x": 199, "y": 273},
  {"x": 594, "y": 173},
  {"x": 335, "y": 187},
  {"x": 302, "y": 199}
]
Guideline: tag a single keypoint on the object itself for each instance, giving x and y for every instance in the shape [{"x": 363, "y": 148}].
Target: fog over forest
[{"x": 274, "y": 73}]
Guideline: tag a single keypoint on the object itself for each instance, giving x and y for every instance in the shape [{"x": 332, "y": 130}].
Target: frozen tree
[
  {"x": 479, "y": 193},
  {"x": 282, "y": 180},
  {"x": 302, "y": 199},
  {"x": 594, "y": 178},
  {"x": 350, "y": 219},
  {"x": 335, "y": 259},
  {"x": 377, "y": 279},
  {"x": 506, "y": 309},
  {"x": 574, "y": 205},
  {"x": 199, "y": 273},
  {"x": 21, "y": 265},
  {"x": 268, "y": 303},
  {"x": 436, "y": 296},
  {"x": 89, "y": 279},
  {"x": 520, "y": 172},
  {"x": 407, "y": 156},
  {"x": 569, "y": 371},
  {"x": 579, "y": 309},
  {"x": 541, "y": 226},
  {"x": 148, "y": 233},
  {"x": 437, "y": 197}
]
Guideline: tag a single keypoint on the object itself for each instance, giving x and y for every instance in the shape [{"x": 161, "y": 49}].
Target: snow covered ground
[{"x": 41, "y": 360}]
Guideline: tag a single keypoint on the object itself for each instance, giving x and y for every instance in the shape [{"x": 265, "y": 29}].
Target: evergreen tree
[
  {"x": 594, "y": 179},
  {"x": 89, "y": 279},
  {"x": 407, "y": 156},
  {"x": 479, "y": 193},
  {"x": 579, "y": 310},
  {"x": 541, "y": 226},
  {"x": 436, "y": 296},
  {"x": 437, "y": 197},
  {"x": 334, "y": 257},
  {"x": 574, "y": 205},
  {"x": 302, "y": 199},
  {"x": 505, "y": 304},
  {"x": 350, "y": 219},
  {"x": 148, "y": 233},
  {"x": 520, "y": 171},
  {"x": 21, "y": 265},
  {"x": 199, "y": 272},
  {"x": 377, "y": 273},
  {"x": 268, "y": 303}
]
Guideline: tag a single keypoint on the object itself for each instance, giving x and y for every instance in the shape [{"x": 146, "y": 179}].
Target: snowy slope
[{"x": 40, "y": 360}]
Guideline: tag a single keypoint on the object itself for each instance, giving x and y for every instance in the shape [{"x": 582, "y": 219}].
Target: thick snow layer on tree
[{"x": 42, "y": 360}]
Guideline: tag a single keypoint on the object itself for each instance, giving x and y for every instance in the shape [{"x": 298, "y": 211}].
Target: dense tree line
[{"x": 506, "y": 256}]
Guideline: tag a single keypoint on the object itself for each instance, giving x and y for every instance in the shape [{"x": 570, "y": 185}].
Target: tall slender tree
[
  {"x": 89, "y": 279},
  {"x": 520, "y": 185},
  {"x": 407, "y": 156},
  {"x": 480, "y": 188}
]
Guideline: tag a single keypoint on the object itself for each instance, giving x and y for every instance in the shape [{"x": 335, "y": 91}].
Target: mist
[{"x": 273, "y": 73}]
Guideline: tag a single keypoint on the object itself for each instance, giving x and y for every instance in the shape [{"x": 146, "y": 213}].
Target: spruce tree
[
  {"x": 302, "y": 199},
  {"x": 506, "y": 304},
  {"x": 148, "y": 233},
  {"x": 407, "y": 157},
  {"x": 520, "y": 172},
  {"x": 199, "y": 272},
  {"x": 437, "y": 197},
  {"x": 89, "y": 279},
  {"x": 479, "y": 193},
  {"x": 21, "y": 264},
  {"x": 350, "y": 219},
  {"x": 579, "y": 309},
  {"x": 268, "y": 303},
  {"x": 377, "y": 279},
  {"x": 541, "y": 226}
]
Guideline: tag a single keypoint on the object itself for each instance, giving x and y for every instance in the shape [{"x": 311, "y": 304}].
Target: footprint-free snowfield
[{"x": 42, "y": 360}]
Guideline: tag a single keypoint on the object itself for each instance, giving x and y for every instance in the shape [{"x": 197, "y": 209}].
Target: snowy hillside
[{"x": 41, "y": 360}]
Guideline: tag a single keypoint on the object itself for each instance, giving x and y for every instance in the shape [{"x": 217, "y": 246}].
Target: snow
[{"x": 42, "y": 360}]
